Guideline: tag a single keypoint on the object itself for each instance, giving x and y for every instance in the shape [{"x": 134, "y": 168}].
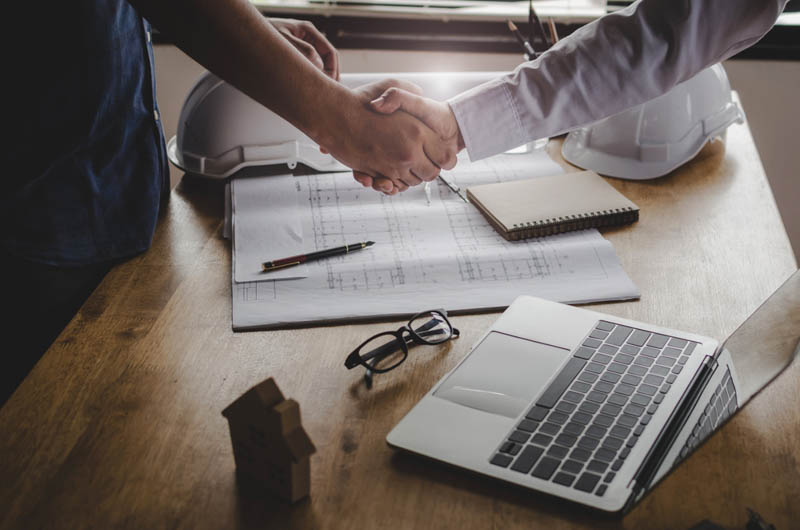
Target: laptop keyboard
[
  {"x": 720, "y": 407},
  {"x": 584, "y": 425}
]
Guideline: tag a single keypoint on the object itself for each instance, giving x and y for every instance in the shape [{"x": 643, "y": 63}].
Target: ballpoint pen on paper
[
  {"x": 428, "y": 192},
  {"x": 455, "y": 189},
  {"x": 530, "y": 53},
  {"x": 312, "y": 256}
]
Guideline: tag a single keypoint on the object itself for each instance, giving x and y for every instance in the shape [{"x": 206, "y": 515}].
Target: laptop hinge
[{"x": 676, "y": 421}]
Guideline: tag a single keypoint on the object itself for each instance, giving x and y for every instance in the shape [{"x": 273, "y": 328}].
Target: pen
[
  {"x": 428, "y": 192},
  {"x": 530, "y": 53},
  {"x": 312, "y": 256},
  {"x": 533, "y": 24},
  {"x": 455, "y": 189}
]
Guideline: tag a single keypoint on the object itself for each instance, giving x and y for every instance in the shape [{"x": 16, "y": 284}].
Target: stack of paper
[{"x": 438, "y": 255}]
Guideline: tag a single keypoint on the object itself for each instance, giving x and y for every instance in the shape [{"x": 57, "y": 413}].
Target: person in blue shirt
[{"x": 86, "y": 171}]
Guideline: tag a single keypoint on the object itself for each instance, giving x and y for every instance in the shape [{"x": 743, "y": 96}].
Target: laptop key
[
  {"x": 601, "y": 490},
  {"x": 501, "y": 460},
  {"x": 527, "y": 458},
  {"x": 602, "y": 358},
  {"x": 584, "y": 353},
  {"x": 639, "y": 337},
  {"x": 647, "y": 390},
  {"x": 581, "y": 455},
  {"x": 597, "y": 466},
  {"x": 625, "y": 389},
  {"x": 677, "y": 343},
  {"x": 565, "y": 479},
  {"x": 624, "y": 358},
  {"x": 616, "y": 465},
  {"x": 560, "y": 383},
  {"x": 567, "y": 440},
  {"x": 519, "y": 437},
  {"x": 587, "y": 482},
  {"x": 596, "y": 431},
  {"x": 596, "y": 397},
  {"x": 580, "y": 386},
  {"x": 545, "y": 468},
  {"x": 592, "y": 343},
  {"x": 618, "y": 336},
  {"x": 537, "y": 413},
  {"x": 612, "y": 444},
  {"x": 609, "y": 477},
  {"x": 608, "y": 349},
  {"x": 557, "y": 417},
  {"x": 588, "y": 407},
  {"x": 610, "y": 377},
  {"x": 617, "y": 368},
  {"x": 556, "y": 451},
  {"x": 597, "y": 334},
  {"x": 654, "y": 380},
  {"x": 659, "y": 370},
  {"x": 626, "y": 420},
  {"x": 650, "y": 352},
  {"x": 671, "y": 352},
  {"x": 635, "y": 369},
  {"x": 640, "y": 399},
  {"x": 587, "y": 377},
  {"x": 573, "y": 397},
  {"x": 603, "y": 421},
  {"x": 605, "y": 326},
  {"x": 541, "y": 439},
  {"x": 630, "y": 349},
  {"x": 634, "y": 410},
  {"x": 657, "y": 341},
  {"x": 566, "y": 407},
  {"x": 574, "y": 428},
  {"x": 527, "y": 425},
  {"x": 617, "y": 399},
  {"x": 604, "y": 455},
  {"x": 596, "y": 368},
  {"x": 582, "y": 417},
  {"x": 588, "y": 443},
  {"x": 572, "y": 466},
  {"x": 549, "y": 428}
]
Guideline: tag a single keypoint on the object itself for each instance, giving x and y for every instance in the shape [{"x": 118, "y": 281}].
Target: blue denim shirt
[{"x": 87, "y": 161}]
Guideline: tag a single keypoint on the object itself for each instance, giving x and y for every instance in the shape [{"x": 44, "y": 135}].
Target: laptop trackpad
[{"x": 503, "y": 374}]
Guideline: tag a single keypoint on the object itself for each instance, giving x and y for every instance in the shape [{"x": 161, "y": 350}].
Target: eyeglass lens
[{"x": 431, "y": 327}]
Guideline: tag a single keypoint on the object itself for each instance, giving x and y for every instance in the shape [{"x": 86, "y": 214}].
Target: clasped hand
[{"x": 408, "y": 139}]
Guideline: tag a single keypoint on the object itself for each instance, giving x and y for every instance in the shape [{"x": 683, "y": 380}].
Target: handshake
[{"x": 392, "y": 136}]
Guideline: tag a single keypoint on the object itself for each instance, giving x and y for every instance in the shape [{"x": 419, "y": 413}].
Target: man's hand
[
  {"x": 435, "y": 114},
  {"x": 310, "y": 42},
  {"x": 395, "y": 149}
]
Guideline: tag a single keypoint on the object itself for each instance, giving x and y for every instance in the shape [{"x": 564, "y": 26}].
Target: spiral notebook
[{"x": 544, "y": 206}]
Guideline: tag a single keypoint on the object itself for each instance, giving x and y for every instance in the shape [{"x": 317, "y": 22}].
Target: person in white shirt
[{"x": 616, "y": 62}]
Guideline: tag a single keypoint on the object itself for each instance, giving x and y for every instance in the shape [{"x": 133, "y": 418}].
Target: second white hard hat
[{"x": 652, "y": 139}]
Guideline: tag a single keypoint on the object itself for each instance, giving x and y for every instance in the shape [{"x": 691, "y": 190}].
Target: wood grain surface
[{"x": 120, "y": 424}]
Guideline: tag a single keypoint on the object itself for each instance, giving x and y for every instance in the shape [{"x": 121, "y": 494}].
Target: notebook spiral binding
[{"x": 549, "y": 227}]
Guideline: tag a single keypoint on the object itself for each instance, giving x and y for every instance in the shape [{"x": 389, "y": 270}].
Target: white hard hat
[
  {"x": 221, "y": 130},
  {"x": 652, "y": 139}
]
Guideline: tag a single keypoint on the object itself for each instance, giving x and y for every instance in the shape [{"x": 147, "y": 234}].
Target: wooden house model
[{"x": 269, "y": 442}]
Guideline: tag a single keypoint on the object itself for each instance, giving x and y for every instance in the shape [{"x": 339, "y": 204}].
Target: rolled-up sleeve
[{"x": 618, "y": 61}]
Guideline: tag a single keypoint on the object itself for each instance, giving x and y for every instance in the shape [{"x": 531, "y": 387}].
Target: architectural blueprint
[{"x": 438, "y": 255}]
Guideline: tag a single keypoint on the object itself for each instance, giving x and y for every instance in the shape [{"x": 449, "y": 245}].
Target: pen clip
[{"x": 270, "y": 268}]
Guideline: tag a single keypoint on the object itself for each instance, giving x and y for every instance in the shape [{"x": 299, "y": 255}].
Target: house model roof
[{"x": 263, "y": 407}]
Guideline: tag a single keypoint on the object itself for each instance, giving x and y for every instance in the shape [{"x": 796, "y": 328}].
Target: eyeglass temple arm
[{"x": 391, "y": 346}]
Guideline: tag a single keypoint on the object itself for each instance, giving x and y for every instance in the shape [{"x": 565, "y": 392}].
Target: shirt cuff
[{"x": 488, "y": 119}]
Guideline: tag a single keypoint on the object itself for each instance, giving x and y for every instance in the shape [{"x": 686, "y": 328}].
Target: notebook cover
[{"x": 550, "y": 205}]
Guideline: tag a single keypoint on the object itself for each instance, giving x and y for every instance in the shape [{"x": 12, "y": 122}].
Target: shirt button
[{"x": 155, "y": 113}]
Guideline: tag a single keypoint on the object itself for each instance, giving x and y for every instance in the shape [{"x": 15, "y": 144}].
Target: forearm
[
  {"x": 616, "y": 62},
  {"x": 232, "y": 39}
]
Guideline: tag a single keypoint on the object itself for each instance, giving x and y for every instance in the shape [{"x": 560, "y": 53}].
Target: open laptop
[{"x": 586, "y": 406}]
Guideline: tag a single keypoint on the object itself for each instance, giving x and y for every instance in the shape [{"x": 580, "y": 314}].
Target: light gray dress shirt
[{"x": 618, "y": 61}]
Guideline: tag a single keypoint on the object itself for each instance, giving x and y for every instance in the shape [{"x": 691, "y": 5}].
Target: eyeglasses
[{"x": 386, "y": 351}]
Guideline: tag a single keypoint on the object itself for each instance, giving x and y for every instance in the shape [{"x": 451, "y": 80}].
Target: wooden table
[{"x": 120, "y": 423}]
